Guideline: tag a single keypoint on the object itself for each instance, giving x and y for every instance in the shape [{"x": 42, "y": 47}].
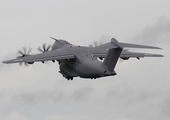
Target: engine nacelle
[
  {"x": 30, "y": 62},
  {"x": 125, "y": 58}
]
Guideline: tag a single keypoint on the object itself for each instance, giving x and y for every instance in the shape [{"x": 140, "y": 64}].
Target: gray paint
[{"x": 80, "y": 61}]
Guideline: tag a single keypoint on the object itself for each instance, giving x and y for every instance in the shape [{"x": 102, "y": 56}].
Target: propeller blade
[
  {"x": 26, "y": 64},
  {"x": 95, "y": 44},
  {"x": 24, "y": 53},
  {"x": 44, "y": 48},
  {"x": 48, "y": 47},
  {"x": 40, "y": 50},
  {"x": 24, "y": 50},
  {"x": 44, "y": 45},
  {"x": 20, "y": 52},
  {"x": 90, "y": 45},
  {"x": 20, "y": 63},
  {"x": 29, "y": 51}
]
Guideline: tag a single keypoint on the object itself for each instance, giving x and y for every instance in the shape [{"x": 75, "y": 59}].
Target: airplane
[{"x": 81, "y": 61}]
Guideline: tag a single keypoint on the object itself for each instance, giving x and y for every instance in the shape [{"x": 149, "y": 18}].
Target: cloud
[
  {"x": 165, "y": 106},
  {"x": 66, "y": 117},
  {"x": 36, "y": 96},
  {"x": 2, "y": 94},
  {"x": 1, "y": 65},
  {"x": 102, "y": 40},
  {"x": 58, "y": 117},
  {"x": 6, "y": 57},
  {"x": 159, "y": 32},
  {"x": 80, "y": 94},
  {"x": 130, "y": 95},
  {"x": 125, "y": 118},
  {"x": 29, "y": 97},
  {"x": 15, "y": 116}
]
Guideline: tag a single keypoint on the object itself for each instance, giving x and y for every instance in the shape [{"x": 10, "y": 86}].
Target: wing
[
  {"x": 125, "y": 54},
  {"x": 115, "y": 44},
  {"x": 101, "y": 51},
  {"x": 50, "y": 55}
]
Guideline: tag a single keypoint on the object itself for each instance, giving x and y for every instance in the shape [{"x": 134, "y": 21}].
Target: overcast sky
[{"x": 139, "y": 91}]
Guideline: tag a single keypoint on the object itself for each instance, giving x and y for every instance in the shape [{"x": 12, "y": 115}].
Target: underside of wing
[
  {"x": 50, "y": 55},
  {"x": 102, "y": 50},
  {"x": 126, "y": 54}
]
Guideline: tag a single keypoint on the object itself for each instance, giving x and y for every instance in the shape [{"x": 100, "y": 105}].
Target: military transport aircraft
[{"x": 84, "y": 62}]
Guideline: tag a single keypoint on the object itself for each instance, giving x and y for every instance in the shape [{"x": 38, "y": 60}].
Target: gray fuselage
[{"x": 85, "y": 65}]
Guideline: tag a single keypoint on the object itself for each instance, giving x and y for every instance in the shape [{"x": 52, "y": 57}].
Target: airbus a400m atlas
[{"x": 84, "y": 62}]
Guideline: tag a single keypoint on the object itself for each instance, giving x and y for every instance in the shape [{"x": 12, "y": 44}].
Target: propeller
[
  {"x": 95, "y": 44},
  {"x": 22, "y": 53},
  {"x": 44, "y": 48}
]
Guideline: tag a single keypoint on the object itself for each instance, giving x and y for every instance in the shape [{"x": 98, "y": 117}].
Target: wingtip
[
  {"x": 161, "y": 48},
  {"x": 5, "y": 62},
  {"x": 160, "y": 56},
  {"x": 158, "y": 48},
  {"x": 153, "y": 55},
  {"x": 11, "y": 61}
]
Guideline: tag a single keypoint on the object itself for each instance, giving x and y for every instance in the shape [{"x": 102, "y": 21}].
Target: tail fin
[
  {"x": 113, "y": 54},
  {"x": 112, "y": 57}
]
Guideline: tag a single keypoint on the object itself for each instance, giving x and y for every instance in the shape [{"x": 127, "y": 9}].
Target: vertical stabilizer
[{"x": 112, "y": 57}]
